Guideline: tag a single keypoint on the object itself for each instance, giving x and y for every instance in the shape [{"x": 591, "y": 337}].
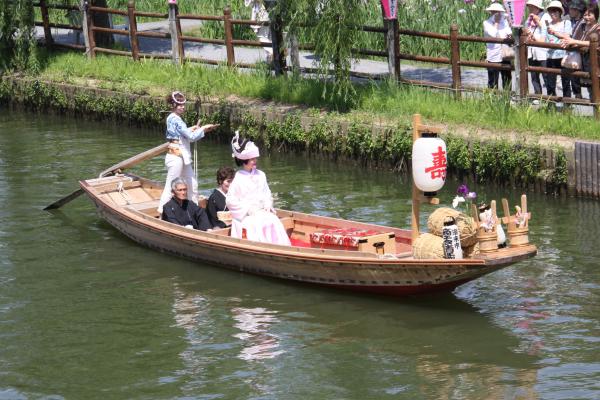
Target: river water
[{"x": 87, "y": 313}]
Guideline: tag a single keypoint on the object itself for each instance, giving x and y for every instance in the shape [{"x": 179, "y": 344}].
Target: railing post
[
  {"x": 392, "y": 39},
  {"x": 133, "y": 39},
  {"x": 46, "y": 23},
  {"x": 516, "y": 79},
  {"x": 523, "y": 79},
  {"x": 228, "y": 36},
  {"x": 455, "y": 60},
  {"x": 173, "y": 11},
  {"x": 179, "y": 39},
  {"x": 87, "y": 24},
  {"x": 595, "y": 95}
]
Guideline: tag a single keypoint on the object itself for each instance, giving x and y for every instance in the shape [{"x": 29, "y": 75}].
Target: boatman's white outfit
[{"x": 179, "y": 158}]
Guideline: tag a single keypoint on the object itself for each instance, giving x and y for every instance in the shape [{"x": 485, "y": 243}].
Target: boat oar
[
  {"x": 61, "y": 202},
  {"x": 130, "y": 162}
]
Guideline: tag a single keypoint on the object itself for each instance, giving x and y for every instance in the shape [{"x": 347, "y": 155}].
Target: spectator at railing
[
  {"x": 557, "y": 29},
  {"x": 571, "y": 84},
  {"x": 536, "y": 31},
  {"x": 581, "y": 38},
  {"x": 496, "y": 26}
]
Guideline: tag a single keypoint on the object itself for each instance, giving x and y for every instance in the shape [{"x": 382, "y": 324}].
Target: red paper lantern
[{"x": 429, "y": 163}]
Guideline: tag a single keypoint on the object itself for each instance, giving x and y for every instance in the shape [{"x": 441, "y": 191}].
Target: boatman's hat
[{"x": 245, "y": 149}]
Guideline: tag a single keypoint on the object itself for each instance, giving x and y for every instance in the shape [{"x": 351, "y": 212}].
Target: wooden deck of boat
[{"x": 141, "y": 196}]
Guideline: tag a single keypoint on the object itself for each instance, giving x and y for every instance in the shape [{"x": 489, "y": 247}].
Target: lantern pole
[
  {"x": 416, "y": 193},
  {"x": 418, "y": 196}
]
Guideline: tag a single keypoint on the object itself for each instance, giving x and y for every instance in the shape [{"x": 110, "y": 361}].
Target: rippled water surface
[{"x": 87, "y": 313}]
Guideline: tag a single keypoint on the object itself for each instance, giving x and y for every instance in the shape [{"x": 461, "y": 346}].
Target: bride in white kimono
[{"x": 249, "y": 199}]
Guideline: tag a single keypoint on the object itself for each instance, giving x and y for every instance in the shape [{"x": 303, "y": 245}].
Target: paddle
[{"x": 130, "y": 162}]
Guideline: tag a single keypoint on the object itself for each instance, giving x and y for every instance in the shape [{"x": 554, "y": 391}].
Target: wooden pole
[
  {"x": 595, "y": 95},
  {"x": 133, "y": 39},
  {"x": 228, "y": 36},
  {"x": 396, "y": 30},
  {"x": 392, "y": 39},
  {"x": 455, "y": 60},
  {"x": 523, "y": 79},
  {"x": 175, "y": 56},
  {"x": 179, "y": 35},
  {"x": 88, "y": 29},
  {"x": 46, "y": 23},
  {"x": 416, "y": 193},
  {"x": 516, "y": 79}
]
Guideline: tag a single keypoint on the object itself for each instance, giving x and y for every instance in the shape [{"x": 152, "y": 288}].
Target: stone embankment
[{"x": 545, "y": 164}]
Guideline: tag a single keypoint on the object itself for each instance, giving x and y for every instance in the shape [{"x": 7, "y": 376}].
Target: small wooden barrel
[
  {"x": 518, "y": 236},
  {"x": 488, "y": 241}
]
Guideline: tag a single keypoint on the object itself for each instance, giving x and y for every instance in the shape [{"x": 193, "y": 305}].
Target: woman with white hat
[
  {"x": 249, "y": 199},
  {"x": 536, "y": 30},
  {"x": 557, "y": 29},
  {"x": 496, "y": 26}
]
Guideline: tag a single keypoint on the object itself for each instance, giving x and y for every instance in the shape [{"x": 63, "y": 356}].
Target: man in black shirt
[{"x": 179, "y": 210}]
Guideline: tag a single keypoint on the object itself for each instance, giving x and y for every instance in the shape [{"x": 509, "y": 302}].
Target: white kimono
[{"x": 251, "y": 204}]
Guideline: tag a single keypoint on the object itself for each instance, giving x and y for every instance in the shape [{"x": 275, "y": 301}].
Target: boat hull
[{"x": 334, "y": 269}]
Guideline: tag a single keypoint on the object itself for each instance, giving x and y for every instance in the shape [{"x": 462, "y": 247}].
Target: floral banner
[
  {"x": 390, "y": 8},
  {"x": 515, "y": 10}
]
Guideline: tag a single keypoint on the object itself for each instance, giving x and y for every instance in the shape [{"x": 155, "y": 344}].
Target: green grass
[{"x": 376, "y": 102}]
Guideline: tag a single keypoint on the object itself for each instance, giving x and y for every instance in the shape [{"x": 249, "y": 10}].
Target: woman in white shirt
[
  {"x": 497, "y": 27},
  {"x": 557, "y": 29}
]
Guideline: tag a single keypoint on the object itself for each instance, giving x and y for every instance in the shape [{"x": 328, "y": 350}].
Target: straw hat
[
  {"x": 556, "y": 4},
  {"x": 495, "y": 7},
  {"x": 535, "y": 3}
]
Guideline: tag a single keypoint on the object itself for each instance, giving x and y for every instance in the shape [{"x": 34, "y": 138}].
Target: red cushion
[{"x": 347, "y": 237}]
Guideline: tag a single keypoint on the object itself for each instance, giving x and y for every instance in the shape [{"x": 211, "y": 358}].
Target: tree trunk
[{"x": 102, "y": 20}]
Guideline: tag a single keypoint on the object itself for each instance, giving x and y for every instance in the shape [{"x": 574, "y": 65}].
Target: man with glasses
[{"x": 181, "y": 211}]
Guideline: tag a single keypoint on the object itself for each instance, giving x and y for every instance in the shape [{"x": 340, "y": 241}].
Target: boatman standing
[{"x": 179, "y": 157}]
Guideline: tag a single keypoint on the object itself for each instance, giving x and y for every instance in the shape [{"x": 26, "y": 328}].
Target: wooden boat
[{"x": 381, "y": 262}]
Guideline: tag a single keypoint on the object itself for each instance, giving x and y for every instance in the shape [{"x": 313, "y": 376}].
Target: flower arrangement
[{"x": 464, "y": 198}]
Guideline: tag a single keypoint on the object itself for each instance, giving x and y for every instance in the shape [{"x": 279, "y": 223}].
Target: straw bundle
[
  {"x": 466, "y": 225},
  {"x": 470, "y": 251},
  {"x": 428, "y": 246}
]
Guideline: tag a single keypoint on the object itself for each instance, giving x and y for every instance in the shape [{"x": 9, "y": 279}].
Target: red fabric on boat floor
[{"x": 299, "y": 243}]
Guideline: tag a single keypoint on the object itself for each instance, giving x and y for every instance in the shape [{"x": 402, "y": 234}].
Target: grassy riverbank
[{"x": 376, "y": 102}]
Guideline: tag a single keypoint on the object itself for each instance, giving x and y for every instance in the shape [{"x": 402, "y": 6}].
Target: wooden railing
[{"x": 390, "y": 30}]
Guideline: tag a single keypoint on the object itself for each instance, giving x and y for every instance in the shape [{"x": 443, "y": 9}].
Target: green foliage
[
  {"x": 17, "y": 43},
  {"x": 25, "y": 45},
  {"x": 459, "y": 154},
  {"x": 501, "y": 161},
  {"x": 331, "y": 27},
  {"x": 398, "y": 146},
  {"x": 560, "y": 172}
]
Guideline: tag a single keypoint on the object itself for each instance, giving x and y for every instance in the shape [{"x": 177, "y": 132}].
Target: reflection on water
[
  {"x": 254, "y": 324},
  {"x": 126, "y": 322}
]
